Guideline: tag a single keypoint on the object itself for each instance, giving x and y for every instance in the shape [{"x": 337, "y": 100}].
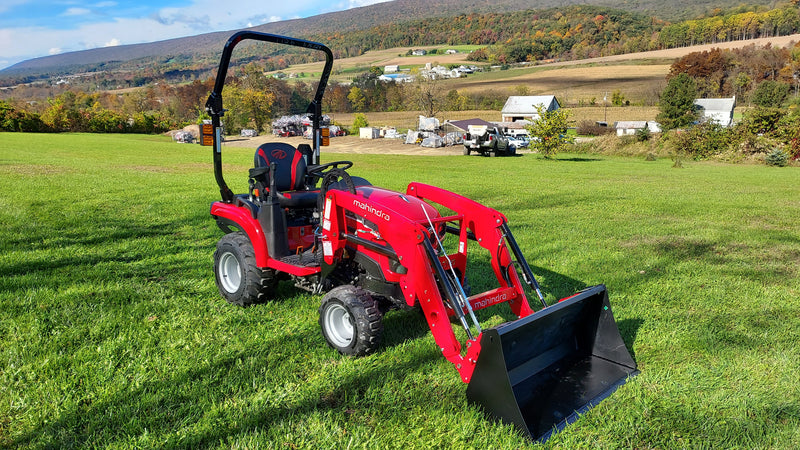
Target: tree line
[
  {"x": 573, "y": 32},
  {"x": 251, "y": 98}
]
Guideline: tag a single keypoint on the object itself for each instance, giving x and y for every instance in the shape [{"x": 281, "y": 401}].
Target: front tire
[
  {"x": 239, "y": 280},
  {"x": 351, "y": 321}
]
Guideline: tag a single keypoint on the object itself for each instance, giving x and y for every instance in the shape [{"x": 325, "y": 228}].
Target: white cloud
[
  {"x": 18, "y": 44},
  {"x": 76, "y": 12},
  {"x": 358, "y": 3},
  {"x": 39, "y": 41},
  {"x": 7, "y": 5}
]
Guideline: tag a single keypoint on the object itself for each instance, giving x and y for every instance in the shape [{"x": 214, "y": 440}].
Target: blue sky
[{"x": 34, "y": 28}]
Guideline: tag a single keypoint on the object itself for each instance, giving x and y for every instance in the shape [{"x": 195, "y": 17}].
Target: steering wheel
[
  {"x": 319, "y": 169},
  {"x": 332, "y": 177}
]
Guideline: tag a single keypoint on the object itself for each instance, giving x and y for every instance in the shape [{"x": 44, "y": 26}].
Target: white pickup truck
[{"x": 487, "y": 141}]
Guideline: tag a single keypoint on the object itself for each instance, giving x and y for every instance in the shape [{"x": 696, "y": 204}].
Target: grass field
[{"x": 113, "y": 334}]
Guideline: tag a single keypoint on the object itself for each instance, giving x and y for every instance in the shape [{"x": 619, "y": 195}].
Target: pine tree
[{"x": 677, "y": 103}]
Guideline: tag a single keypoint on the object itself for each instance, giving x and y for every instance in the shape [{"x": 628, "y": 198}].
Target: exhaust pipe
[{"x": 542, "y": 371}]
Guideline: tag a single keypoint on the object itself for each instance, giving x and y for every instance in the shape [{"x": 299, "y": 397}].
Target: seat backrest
[{"x": 290, "y": 173}]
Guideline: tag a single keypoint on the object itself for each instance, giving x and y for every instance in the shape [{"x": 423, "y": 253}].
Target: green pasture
[{"x": 113, "y": 335}]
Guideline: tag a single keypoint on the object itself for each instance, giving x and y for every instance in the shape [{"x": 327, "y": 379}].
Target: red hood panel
[{"x": 379, "y": 199}]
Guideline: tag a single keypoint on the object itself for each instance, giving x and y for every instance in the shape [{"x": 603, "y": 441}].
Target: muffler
[{"x": 542, "y": 371}]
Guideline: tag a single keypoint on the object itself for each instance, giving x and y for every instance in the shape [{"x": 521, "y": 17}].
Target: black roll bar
[{"x": 215, "y": 108}]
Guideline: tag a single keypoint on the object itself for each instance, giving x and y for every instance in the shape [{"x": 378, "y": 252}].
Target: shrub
[
  {"x": 703, "y": 140},
  {"x": 151, "y": 123},
  {"x": 761, "y": 120},
  {"x": 777, "y": 157},
  {"x": 106, "y": 121},
  {"x": 643, "y": 134},
  {"x": 359, "y": 121},
  {"x": 770, "y": 93},
  {"x": 788, "y": 132},
  {"x": 12, "y": 119},
  {"x": 589, "y": 128}
]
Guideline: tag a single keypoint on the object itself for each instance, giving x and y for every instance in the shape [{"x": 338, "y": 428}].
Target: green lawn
[{"x": 112, "y": 333}]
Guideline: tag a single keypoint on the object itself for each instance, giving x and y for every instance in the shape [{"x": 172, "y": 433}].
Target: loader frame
[{"x": 424, "y": 281}]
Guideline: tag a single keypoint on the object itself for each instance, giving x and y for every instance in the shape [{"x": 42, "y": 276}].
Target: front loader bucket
[{"x": 540, "y": 372}]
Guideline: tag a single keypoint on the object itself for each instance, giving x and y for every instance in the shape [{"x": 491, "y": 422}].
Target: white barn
[
  {"x": 630, "y": 127},
  {"x": 717, "y": 110},
  {"x": 523, "y": 107}
]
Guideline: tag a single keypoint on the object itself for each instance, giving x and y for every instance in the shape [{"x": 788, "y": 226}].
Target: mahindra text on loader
[{"x": 372, "y": 250}]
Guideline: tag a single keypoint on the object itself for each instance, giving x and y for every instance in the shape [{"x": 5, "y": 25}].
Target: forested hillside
[{"x": 555, "y": 29}]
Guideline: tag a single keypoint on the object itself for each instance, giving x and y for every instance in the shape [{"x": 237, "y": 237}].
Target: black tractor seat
[{"x": 290, "y": 175}]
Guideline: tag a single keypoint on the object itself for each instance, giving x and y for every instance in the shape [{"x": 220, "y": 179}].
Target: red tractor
[{"x": 372, "y": 250}]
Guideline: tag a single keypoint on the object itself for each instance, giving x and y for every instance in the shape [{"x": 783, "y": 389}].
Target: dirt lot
[{"x": 351, "y": 144}]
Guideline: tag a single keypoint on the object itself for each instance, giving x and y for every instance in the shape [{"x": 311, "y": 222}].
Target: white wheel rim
[
  {"x": 230, "y": 274},
  {"x": 339, "y": 324}
]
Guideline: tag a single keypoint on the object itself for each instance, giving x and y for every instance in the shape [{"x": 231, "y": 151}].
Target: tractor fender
[{"x": 241, "y": 218}]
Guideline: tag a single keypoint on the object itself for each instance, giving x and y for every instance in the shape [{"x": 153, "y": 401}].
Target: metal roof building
[
  {"x": 523, "y": 107},
  {"x": 718, "y": 110}
]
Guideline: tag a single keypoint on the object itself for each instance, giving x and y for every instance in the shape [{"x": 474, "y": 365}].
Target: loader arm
[
  {"x": 488, "y": 227},
  {"x": 404, "y": 240},
  {"x": 424, "y": 278}
]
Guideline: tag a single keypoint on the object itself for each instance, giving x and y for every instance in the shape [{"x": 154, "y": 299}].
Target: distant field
[{"x": 640, "y": 77}]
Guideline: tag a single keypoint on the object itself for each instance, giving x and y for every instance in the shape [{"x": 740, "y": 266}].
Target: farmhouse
[
  {"x": 716, "y": 110},
  {"x": 630, "y": 127},
  {"x": 523, "y": 107}
]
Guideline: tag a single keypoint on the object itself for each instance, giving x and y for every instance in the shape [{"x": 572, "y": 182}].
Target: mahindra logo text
[
  {"x": 490, "y": 301},
  {"x": 371, "y": 209}
]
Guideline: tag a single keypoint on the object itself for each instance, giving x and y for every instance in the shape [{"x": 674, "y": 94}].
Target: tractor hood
[{"x": 384, "y": 202}]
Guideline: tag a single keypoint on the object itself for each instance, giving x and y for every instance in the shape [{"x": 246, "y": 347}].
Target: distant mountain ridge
[{"x": 209, "y": 44}]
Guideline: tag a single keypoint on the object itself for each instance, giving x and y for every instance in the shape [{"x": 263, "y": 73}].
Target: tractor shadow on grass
[
  {"x": 267, "y": 390},
  {"x": 238, "y": 395},
  {"x": 579, "y": 159}
]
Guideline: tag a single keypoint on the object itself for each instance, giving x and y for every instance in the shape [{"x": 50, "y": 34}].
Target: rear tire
[
  {"x": 466, "y": 151},
  {"x": 351, "y": 321},
  {"x": 239, "y": 280}
]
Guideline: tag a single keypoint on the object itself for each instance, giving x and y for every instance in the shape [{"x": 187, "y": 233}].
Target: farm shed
[
  {"x": 717, "y": 110},
  {"x": 523, "y": 107},
  {"x": 630, "y": 127},
  {"x": 461, "y": 126},
  {"x": 396, "y": 77}
]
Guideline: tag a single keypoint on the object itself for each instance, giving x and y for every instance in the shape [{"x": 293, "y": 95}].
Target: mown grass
[{"x": 113, "y": 333}]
